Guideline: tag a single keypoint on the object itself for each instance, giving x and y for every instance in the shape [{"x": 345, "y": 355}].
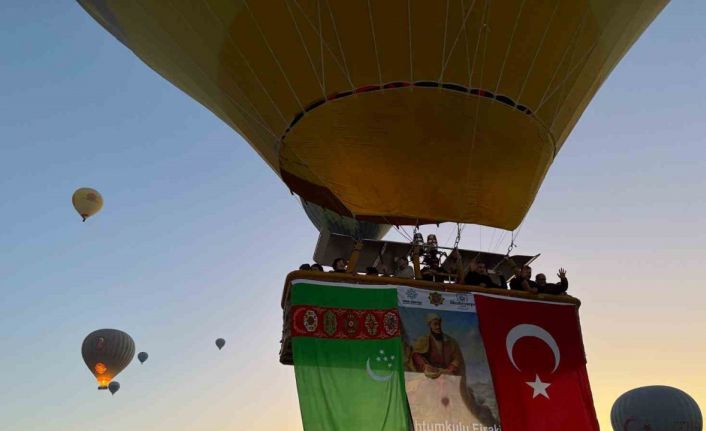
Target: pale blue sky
[{"x": 197, "y": 233}]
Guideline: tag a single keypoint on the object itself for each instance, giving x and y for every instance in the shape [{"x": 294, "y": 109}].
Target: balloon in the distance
[
  {"x": 113, "y": 387},
  {"x": 106, "y": 353},
  {"x": 87, "y": 202},
  {"x": 656, "y": 408},
  {"x": 142, "y": 356},
  {"x": 323, "y": 218},
  {"x": 220, "y": 343}
]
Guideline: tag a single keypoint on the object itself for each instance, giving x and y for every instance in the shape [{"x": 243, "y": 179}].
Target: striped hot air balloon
[
  {"x": 106, "y": 353},
  {"x": 656, "y": 408}
]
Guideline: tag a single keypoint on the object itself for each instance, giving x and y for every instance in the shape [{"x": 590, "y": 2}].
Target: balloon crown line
[{"x": 479, "y": 92}]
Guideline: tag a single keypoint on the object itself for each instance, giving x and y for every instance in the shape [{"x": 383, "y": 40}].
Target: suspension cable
[
  {"x": 512, "y": 244},
  {"x": 515, "y": 235},
  {"x": 459, "y": 229}
]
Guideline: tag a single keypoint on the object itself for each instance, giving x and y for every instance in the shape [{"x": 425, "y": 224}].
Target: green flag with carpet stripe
[{"x": 348, "y": 357}]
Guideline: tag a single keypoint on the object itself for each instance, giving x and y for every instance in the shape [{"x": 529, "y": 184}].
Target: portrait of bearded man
[{"x": 436, "y": 353}]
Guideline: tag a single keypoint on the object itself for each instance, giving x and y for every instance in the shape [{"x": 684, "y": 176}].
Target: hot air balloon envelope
[
  {"x": 394, "y": 111},
  {"x": 656, "y": 408},
  {"x": 87, "y": 202},
  {"x": 142, "y": 357},
  {"x": 113, "y": 387},
  {"x": 106, "y": 353},
  {"x": 220, "y": 343}
]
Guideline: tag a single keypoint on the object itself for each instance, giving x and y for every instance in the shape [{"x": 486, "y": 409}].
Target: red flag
[{"x": 538, "y": 365}]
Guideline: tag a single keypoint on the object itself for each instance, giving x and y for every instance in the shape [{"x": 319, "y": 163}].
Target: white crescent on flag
[
  {"x": 373, "y": 375},
  {"x": 527, "y": 330}
]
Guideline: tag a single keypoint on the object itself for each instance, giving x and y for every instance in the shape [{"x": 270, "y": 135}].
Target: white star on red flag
[{"x": 539, "y": 387}]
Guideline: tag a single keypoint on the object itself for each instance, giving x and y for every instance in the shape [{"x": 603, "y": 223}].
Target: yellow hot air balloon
[
  {"x": 87, "y": 202},
  {"x": 393, "y": 111}
]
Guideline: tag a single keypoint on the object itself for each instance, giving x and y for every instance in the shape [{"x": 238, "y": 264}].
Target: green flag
[{"x": 348, "y": 357}]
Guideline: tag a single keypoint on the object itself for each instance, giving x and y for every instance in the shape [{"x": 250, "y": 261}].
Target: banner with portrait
[{"x": 447, "y": 377}]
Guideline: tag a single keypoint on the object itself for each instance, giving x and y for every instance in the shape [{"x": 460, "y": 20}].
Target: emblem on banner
[
  {"x": 310, "y": 320},
  {"x": 351, "y": 321},
  {"x": 330, "y": 323},
  {"x": 391, "y": 322},
  {"x": 411, "y": 294},
  {"x": 371, "y": 324},
  {"x": 436, "y": 298}
]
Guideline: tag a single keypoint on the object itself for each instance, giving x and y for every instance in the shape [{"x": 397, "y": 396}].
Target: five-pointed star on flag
[{"x": 539, "y": 387}]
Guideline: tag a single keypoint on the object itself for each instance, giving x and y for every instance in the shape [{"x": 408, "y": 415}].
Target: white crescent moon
[
  {"x": 527, "y": 330},
  {"x": 376, "y": 377}
]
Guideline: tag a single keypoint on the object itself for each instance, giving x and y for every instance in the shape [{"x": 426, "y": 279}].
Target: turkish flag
[{"x": 538, "y": 364}]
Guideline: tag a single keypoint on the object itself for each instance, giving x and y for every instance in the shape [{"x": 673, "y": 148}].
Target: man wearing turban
[{"x": 436, "y": 353}]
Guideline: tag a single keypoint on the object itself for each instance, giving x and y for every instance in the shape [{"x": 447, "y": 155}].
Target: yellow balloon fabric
[
  {"x": 395, "y": 111},
  {"x": 87, "y": 202}
]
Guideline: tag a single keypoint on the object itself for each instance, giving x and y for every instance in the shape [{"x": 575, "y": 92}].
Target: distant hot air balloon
[
  {"x": 107, "y": 352},
  {"x": 113, "y": 387},
  {"x": 87, "y": 202},
  {"x": 142, "y": 357},
  {"x": 398, "y": 112},
  {"x": 323, "y": 218},
  {"x": 220, "y": 343},
  {"x": 656, "y": 408}
]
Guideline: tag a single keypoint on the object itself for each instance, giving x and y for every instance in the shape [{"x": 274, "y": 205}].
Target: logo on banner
[
  {"x": 411, "y": 297},
  {"x": 526, "y": 330},
  {"x": 422, "y": 298},
  {"x": 436, "y": 298},
  {"x": 462, "y": 301}
]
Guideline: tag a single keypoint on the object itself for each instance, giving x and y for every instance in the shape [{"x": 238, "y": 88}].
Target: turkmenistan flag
[{"x": 348, "y": 357}]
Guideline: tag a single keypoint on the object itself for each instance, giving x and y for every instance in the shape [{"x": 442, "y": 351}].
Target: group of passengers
[
  {"x": 522, "y": 280},
  {"x": 312, "y": 267},
  {"x": 475, "y": 274}
]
